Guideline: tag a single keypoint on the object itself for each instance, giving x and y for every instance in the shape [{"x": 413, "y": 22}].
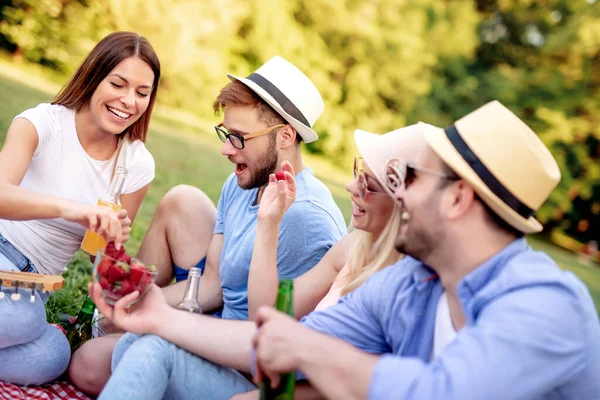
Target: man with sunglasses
[
  {"x": 266, "y": 116},
  {"x": 473, "y": 312}
]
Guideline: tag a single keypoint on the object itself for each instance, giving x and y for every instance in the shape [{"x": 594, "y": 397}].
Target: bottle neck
[
  {"x": 285, "y": 297},
  {"x": 113, "y": 194},
  {"x": 192, "y": 288},
  {"x": 88, "y": 306}
]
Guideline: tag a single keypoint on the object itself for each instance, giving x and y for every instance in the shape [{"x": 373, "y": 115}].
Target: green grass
[{"x": 186, "y": 151}]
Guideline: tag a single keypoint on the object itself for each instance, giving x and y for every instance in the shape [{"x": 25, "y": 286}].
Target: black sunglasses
[{"x": 397, "y": 173}]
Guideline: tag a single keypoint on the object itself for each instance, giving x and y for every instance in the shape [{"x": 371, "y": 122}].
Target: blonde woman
[{"x": 361, "y": 253}]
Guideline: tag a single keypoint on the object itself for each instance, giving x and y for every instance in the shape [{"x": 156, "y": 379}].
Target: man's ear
[
  {"x": 288, "y": 136},
  {"x": 462, "y": 199}
]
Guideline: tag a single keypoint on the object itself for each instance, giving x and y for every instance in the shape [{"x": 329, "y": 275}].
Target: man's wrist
[
  {"x": 267, "y": 227},
  {"x": 161, "y": 321}
]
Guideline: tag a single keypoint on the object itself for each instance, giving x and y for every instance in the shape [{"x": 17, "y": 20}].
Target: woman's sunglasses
[
  {"x": 363, "y": 178},
  {"x": 396, "y": 173}
]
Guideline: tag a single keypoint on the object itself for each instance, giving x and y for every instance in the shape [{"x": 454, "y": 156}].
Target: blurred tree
[
  {"x": 379, "y": 64},
  {"x": 541, "y": 58},
  {"x": 55, "y": 33}
]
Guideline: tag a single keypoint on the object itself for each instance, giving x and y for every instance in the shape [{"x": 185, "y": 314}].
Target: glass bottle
[
  {"x": 287, "y": 384},
  {"x": 81, "y": 330},
  {"x": 92, "y": 242},
  {"x": 192, "y": 291}
]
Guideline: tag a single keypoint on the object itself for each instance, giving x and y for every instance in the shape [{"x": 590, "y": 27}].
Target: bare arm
[
  {"x": 17, "y": 203},
  {"x": 309, "y": 289},
  {"x": 225, "y": 342},
  {"x": 211, "y": 293},
  {"x": 132, "y": 201}
]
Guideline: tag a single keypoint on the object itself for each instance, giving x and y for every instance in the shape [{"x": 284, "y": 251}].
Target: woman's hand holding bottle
[{"x": 102, "y": 220}]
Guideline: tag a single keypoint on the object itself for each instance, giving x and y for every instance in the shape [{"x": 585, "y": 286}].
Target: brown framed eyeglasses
[{"x": 237, "y": 140}]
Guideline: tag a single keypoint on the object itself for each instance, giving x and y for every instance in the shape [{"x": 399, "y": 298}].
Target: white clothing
[
  {"x": 444, "y": 331},
  {"x": 60, "y": 167},
  {"x": 335, "y": 292}
]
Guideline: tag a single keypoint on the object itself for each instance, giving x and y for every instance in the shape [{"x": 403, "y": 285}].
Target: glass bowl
[{"x": 120, "y": 277}]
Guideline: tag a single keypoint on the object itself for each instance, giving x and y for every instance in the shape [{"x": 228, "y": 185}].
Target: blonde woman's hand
[
  {"x": 279, "y": 194},
  {"x": 102, "y": 220}
]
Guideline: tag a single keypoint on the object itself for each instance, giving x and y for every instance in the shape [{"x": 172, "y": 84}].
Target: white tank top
[
  {"x": 60, "y": 167},
  {"x": 444, "y": 331}
]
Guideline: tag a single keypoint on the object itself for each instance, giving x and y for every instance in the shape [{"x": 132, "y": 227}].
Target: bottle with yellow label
[{"x": 92, "y": 242}]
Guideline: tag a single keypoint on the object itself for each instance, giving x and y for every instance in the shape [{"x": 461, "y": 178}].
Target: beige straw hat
[{"x": 502, "y": 158}]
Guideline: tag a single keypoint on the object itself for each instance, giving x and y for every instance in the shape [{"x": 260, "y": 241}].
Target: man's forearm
[
  {"x": 335, "y": 368},
  {"x": 224, "y": 342}
]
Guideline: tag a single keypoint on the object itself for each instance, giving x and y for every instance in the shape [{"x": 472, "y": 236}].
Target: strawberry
[
  {"x": 137, "y": 273},
  {"x": 126, "y": 258},
  {"x": 280, "y": 175},
  {"x": 106, "y": 284},
  {"x": 150, "y": 272},
  {"x": 111, "y": 251},
  {"x": 104, "y": 266},
  {"x": 124, "y": 287},
  {"x": 117, "y": 272}
]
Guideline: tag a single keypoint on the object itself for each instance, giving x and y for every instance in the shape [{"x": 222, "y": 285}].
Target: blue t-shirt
[
  {"x": 309, "y": 228},
  {"x": 532, "y": 331}
]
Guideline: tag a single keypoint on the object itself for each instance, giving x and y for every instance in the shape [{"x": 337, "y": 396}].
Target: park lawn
[{"x": 187, "y": 151}]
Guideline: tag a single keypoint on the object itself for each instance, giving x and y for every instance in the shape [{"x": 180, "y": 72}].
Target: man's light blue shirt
[
  {"x": 532, "y": 331},
  {"x": 309, "y": 228}
]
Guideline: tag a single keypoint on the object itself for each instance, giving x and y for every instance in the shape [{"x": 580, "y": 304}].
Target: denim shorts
[{"x": 13, "y": 255}]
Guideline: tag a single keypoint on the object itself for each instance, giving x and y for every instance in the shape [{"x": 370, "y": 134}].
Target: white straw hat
[
  {"x": 291, "y": 93},
  {"x": 404, "y": 144}
]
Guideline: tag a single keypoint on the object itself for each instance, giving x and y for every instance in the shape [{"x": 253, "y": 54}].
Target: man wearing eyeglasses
[
  {"x": 265, "y": 118},
  {"x": 474, "y": 312}
]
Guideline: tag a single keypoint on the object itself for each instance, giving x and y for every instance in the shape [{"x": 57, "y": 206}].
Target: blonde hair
[{"x": 370, "y": 254}]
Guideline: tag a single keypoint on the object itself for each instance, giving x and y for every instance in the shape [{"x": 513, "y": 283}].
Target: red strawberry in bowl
[
  {"x": 112, "y": 251},
  {"x": 137, "y": 272},
  {"x": 118, "y": 271},
  {"x": 118, "y": 276}
]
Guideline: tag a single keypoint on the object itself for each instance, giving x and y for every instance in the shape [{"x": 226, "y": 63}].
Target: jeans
[
  {"x": 149, "y": 367},
  {"x": 32, "y": 352}
]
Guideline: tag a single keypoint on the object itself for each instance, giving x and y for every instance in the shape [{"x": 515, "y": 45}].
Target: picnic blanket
[{"x": 51, "y": 391}]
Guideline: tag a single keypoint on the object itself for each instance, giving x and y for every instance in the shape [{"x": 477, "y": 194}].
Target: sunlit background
[{"x": 379, "y": 65}]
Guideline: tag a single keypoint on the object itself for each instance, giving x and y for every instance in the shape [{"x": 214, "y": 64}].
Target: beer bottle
[
  {"x": 81, "y": 330},
  {"x": 192, "y": 291},
  {"x": 92, "y": 242},
  {"x": 287, "y": 384}
]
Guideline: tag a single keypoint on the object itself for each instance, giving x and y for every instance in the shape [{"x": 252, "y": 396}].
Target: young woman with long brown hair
[{"x": 57, "y": 161}]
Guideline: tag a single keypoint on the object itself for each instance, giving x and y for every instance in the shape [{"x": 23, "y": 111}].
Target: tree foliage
[{"x": 379, "y": 64}]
